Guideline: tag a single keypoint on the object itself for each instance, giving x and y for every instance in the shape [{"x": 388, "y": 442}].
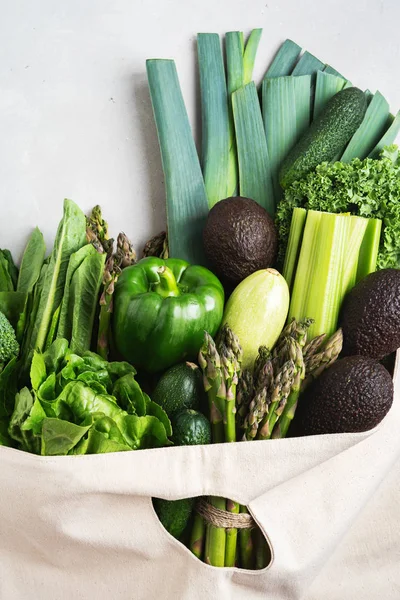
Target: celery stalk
[
  {"x": 214, "y": 116},
  {"x": 294, "y": 244},
  {"x": 369, "y": 249},
  {"x": 357, "y": 229},
  {"x": 187, "y": 204},
  {"x": 254, "y": 166},
  {"x": 318, "y": 284}
]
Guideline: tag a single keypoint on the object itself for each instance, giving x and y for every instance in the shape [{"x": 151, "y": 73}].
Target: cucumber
[
  {"x": 180, "y": 387},
  {"x": 189, "y": 428},
  {"x": 327, "y": 136}
]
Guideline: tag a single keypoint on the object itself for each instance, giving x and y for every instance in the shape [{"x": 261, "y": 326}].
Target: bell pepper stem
[{"x": 167, "y": 286}]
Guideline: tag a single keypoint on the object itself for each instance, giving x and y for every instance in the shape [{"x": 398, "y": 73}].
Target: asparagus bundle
[{"x": 221, "y": 365}]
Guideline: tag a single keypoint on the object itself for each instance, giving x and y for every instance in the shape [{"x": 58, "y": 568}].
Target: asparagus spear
[
  {"x": 157, "y": 246},
  {"x": 231, "y": 358},
  {"x": 197, "y": 538},
  {"x": 123, "y": 257},
  {"x": 210, "y": 362},
  {"x": 244, "y": 394},
  {"x": 314, "y": 365},
  {"x": 320, "y": 361},
  {"x": 97, "y": 232},
  {"x": 282, "y": 385}
]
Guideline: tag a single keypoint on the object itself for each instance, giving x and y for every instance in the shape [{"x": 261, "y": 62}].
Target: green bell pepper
[{"x": 161, "y": 310}]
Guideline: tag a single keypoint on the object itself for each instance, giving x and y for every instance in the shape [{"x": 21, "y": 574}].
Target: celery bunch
[{"x": 327, "y": 254}]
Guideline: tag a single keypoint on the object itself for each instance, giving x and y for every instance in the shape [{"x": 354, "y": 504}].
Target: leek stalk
[
  {"x": 240, "y": 61},
  {"x": 254, "y": 166},
  {"x": 375, "y": 124},
  {"x": 187, "y": 204},
  {"x": 214, "y": 116}
]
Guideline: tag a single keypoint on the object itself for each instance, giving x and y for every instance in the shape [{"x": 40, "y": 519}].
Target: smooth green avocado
[
  {"x": 354, "y": 394},
  {"x": 370, "y": 317},
  {"x": 239, "y": 239}
]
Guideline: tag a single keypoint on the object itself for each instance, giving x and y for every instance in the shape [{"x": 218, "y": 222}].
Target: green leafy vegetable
[
  {"x": 6, "y": 281},
  {"x": 80, "y": 300},
  {"x": 83, "y": 404},
  {"x": 368, "y": 188},
  {"x": 71, "y": 236},
  {"x": 31, "y": 263}
]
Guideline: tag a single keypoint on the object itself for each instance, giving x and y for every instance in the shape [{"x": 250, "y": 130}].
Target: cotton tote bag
[{"x": 84, "y": 527}]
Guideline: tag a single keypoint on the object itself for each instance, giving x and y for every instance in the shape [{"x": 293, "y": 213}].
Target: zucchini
[{"x": 327, "y": 136}]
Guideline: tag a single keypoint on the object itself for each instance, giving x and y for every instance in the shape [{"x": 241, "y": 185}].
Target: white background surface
[{"x": 75, "y": 114}]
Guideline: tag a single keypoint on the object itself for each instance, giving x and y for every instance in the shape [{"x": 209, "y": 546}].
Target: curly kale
[
  {"x": 368, "y": 188},
  {"x": 9, "y": 346}
]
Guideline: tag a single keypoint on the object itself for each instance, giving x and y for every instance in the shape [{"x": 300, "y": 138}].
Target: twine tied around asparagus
[{"x": 223, "y": 518}]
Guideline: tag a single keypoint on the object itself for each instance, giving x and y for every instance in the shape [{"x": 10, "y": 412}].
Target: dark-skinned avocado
[
  {"x": 354, "y": 394},
  {"x": 239, "y": 238},
  {"x": 370, "y": 316}
]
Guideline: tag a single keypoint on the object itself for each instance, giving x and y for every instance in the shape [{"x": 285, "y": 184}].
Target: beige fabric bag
[{"x": 84, "y": 527}]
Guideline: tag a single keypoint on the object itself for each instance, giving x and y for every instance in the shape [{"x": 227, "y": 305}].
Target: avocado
[
  {"x": 370, "y": 316},
  {"x": 190, "y": 428},
  {"x": 174, "y": 514},
  {"x": 239, "y": 238},
  {"x": 354, "y": 394},
  {"x": 180, "y": 387}
]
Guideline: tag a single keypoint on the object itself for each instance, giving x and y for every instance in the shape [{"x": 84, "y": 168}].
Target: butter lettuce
[{"x": 84, "y": 405}]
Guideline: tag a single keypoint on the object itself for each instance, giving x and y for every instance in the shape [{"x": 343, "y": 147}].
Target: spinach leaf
[
  {"x": 71, "y": 235},
  {"x": 8, "y": 388},
  {"x": 6, "y": 282},
  {"x": 27, "y": 439},
  {"x": 12, "y": 305},
  {"x": 31, "y": 263}
]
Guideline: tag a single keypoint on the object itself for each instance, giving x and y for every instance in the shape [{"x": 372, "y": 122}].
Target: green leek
[
  {"x": 286, "y": 109},
  {"x": 389, "y": 137},
  {"x": 326, "y": 87},
  {"x": 331, "y": 71},
  {"x": 187, "y": 204},
  {"x": 308, "y": 65},
  {"x": 254, "y": 166},
  {"x": 214, "y": 114},
  {"x": 371, "y": 130},
  {"x": 284, "y": 60},
  {"x": 240, "y": 61}
]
